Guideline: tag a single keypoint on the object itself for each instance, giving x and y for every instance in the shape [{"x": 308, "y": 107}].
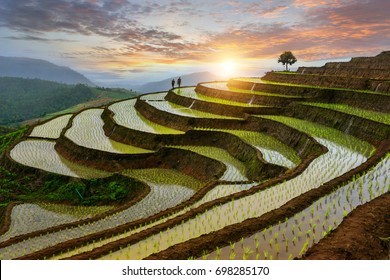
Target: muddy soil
[{"x": 361, "y": 236}]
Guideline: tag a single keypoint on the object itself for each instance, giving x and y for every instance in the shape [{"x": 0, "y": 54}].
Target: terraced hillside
[{"x": 250, "y": 168}]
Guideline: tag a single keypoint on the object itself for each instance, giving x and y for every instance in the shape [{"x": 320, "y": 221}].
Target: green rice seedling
[
  {"x": 367, "y": 114},
  {"x": 266, "y": 254},
  {"x": 247, "y": 253},
  {"x": 277, "y": 248},
  {"x": 304, "y": 248}
]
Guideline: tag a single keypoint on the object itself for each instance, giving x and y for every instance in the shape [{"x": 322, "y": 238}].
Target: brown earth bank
[
  {"x": 218, "y": 108},
  {"x": 5, "y": 217},
  {"x": 364, "y": 129},
  {"x": 300, "y": 142},
  {"x": 363, "y": 100},
  {"x": 363, "y": 235},
  {"x": 256, "y": 167},
  {"x": 232, "y": 233},
  {"x": 364, "y": 67},
  {"x": 187, "y": 162},
  {"x": 256, "y": 99},
  {"x": 319, "y": 80},
  {"x": 329, "y": 81}
]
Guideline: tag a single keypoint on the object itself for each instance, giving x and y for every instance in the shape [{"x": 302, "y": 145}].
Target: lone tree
[{"x": 287, "y": 58}]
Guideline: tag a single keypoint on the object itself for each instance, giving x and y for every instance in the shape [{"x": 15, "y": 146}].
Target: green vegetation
[
  {"x": 331, "y": 134},
  {"x": 264, "y": 142},
  {"x": 5, "y": 130},
  {"x": 56, "y": 188},
  {"x": 235, "y": 169},
  {"x": 25, "y": 99},
  {"x": 9, "y": 138},
  {"x": 191, "y": 93},
  {"x": 104, "y": 191},
  {"x": 371, "y": 115},
  {"x": 224, "y": 86},
  {"x": 164, "y": 177}
]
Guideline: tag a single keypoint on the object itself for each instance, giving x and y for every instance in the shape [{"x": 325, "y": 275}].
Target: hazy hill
[
  {"x": 23, "y": 99},
  {"x": 40, "y": 69},
  {"x": 187, "y": 80}
]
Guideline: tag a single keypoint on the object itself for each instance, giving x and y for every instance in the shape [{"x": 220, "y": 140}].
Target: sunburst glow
[{"x": 227, "y": 69}]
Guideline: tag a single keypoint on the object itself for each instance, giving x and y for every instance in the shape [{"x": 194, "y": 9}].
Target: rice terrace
[{"x": 290, "y": 165}]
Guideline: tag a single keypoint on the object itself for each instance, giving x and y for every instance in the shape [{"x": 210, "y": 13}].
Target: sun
[{"x": 227, "y": 69}]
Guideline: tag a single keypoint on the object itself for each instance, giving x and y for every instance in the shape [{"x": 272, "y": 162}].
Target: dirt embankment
[
  {"x": 319, "y": 80},
  {"x": 218, "y": 108},
  {"x": 299, "y": 93},
  {"x": 376, "y": 69},
  {"x": 300, "y": 142},
  {"x": 187, "y": 162},
  {"x": 363, "y": 100},
  {"x": 256, "y": 99},
  {"x": 370, "y": 131},
  {"x": 256, "y": 167},
  {"x": 364, "y": 234}
]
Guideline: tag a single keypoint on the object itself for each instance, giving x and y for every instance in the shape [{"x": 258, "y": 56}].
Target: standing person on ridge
[
  {"x": 173, "y": 83},
  {"x": 179, "y": 81}
]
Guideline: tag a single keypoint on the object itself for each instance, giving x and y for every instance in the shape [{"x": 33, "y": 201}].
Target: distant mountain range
[
  {"x": 21, "y": 67},
  {"x": 186, "y": 80}
]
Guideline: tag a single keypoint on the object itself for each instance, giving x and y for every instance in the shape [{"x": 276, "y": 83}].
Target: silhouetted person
[
  {"x": 179, "y": 81},
  {"x": 173, "y": 83}
]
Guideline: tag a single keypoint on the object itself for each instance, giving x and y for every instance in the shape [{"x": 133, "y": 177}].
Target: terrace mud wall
[
  {"x": 256, "y": 167},
  {"x": 187, "y": 162},
  {"x": 319, "y": 80},
  {"x": 221, "y": 109},
  {"x": 343, "y": 71},
  {"x": 370, "y": 131},
  {"x": 363, "y": 100},
  {"x": 294, "y": 91},
  {"x": 330, "y": 81},
  {"x": 300, "y": 142},
  {"x": 256, "y": 99},
  {"x": 376, "y": 68}
]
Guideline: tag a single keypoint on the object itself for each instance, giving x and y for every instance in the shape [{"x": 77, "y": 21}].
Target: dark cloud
[
  {"x": 108, "y": 19},
  {"x": 320, "y": 28},
  {"x": 36, "y": 38}
]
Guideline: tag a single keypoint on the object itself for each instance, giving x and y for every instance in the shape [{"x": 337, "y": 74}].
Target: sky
[{"x": 117, "y": 41}]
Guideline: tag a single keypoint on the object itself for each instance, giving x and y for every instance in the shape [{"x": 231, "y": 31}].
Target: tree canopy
[{"x": 287, "y": 58}]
